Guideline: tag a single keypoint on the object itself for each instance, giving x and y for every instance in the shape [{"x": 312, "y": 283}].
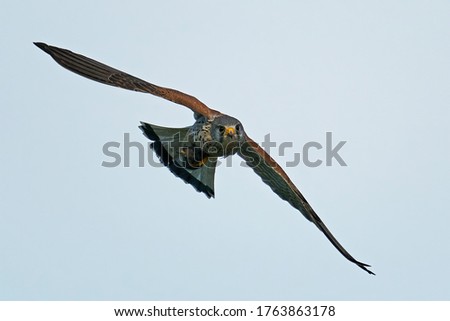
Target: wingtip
[
  {"x": 43, "y": 46},
  {"x": 365, "y": 268},
  {"x": 368, "y": 271}
]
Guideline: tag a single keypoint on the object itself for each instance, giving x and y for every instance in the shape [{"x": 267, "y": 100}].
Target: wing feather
[
  {"x": 102, "y": 73},
  {"x": 273, "y": 175}
]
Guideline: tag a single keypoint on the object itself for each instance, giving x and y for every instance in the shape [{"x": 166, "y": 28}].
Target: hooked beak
[{"x": 230, "y": 131}]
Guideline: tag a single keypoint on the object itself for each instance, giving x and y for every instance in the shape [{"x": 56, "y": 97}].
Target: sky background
[{"x": 375, "y": 74}]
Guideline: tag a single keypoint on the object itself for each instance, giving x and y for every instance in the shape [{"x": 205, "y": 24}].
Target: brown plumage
[{"x": 191, "y": 153}]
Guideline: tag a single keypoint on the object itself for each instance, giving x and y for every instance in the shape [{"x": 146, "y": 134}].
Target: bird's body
[
  {"x": 218, "y": 136},
  {"x": 191, "y": 152}
]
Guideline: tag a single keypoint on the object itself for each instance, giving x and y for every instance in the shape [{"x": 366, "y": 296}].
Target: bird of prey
[{"x": 191, "y": 152}]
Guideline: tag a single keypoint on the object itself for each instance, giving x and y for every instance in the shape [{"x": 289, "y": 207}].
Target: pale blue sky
[{"x": 375, "y": 74}]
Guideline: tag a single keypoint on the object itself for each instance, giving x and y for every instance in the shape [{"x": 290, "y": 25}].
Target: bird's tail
[{"x": 168, "y": 145}]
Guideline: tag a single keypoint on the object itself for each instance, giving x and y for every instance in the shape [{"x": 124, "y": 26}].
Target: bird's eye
[
  {"x": 222, "y": 129},
  {"x": 238, "y": 127}
]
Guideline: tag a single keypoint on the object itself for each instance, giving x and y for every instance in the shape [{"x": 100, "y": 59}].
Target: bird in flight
[{"x": 191, "y": 153}]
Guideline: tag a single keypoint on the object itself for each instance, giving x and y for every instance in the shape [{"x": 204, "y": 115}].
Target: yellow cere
[{"x": 230, "y": 131}]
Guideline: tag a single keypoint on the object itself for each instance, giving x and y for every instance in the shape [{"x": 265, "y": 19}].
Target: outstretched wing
[
  {"x": 274, "y": 176},
  {"x": 97, "y": 71}
]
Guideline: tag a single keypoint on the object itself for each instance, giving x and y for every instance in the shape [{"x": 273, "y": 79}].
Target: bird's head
[{"x": 227, "y": 130}]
